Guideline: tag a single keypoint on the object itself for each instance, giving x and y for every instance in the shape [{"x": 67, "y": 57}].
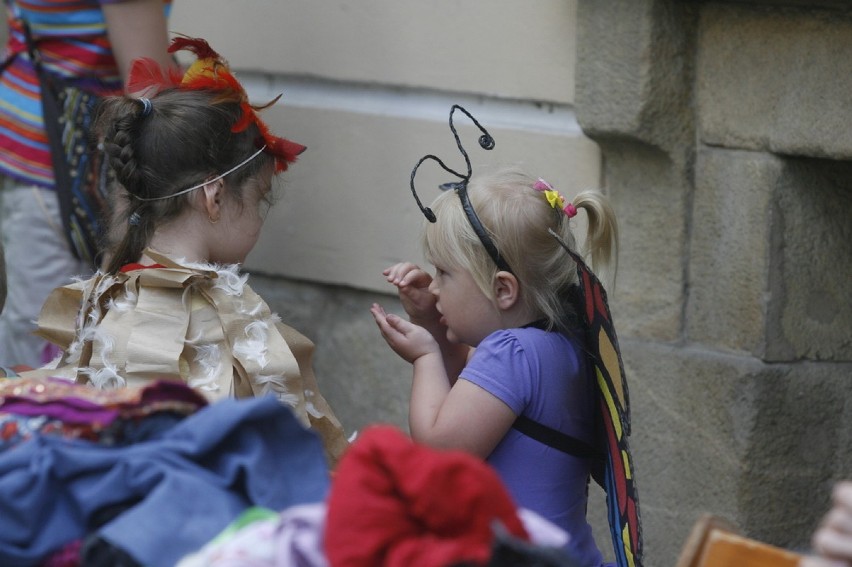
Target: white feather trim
[
  {"x": 276, "y": 385},
  {"x": 104, "y": 284},
  {"x": 103, "y": 378},
  {"x": 106, "y": 377},
  {"x": 230, "y": 281},
  {"x": 209, "y": 359},
  {"x": 253, "y": 347},
  {"x": 312, "y": 409},
  {"x": 88, "y": 332},
  {"x": 124, "y": 304},
  {"x": 228, "y": 277}
]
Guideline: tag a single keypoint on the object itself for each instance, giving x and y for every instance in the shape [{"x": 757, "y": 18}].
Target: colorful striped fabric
[{"x": 73, "y": 43}]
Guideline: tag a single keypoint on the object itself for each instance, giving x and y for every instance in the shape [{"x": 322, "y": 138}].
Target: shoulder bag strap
[{"x": 51, "y": 112}]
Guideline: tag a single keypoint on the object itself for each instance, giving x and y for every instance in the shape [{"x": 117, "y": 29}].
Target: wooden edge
[
  {"x": 724, "y": 548},
  {"x": 695, "y": 544}
]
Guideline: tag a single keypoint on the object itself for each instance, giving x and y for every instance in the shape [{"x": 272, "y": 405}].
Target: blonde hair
[{"x": 517, "y": 218}]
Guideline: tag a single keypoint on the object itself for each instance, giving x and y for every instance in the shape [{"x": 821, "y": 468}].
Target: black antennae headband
[{"x": 460, "y": 187}]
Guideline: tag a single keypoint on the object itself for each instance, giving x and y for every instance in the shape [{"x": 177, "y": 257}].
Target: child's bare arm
[
  {"x": 463, "y": 416},
  {"x": 444, "y": 415},
  {"x": 137, "y": 29}
]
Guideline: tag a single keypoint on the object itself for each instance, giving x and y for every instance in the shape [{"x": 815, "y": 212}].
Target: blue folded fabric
[{"x": 185, "y": 486}]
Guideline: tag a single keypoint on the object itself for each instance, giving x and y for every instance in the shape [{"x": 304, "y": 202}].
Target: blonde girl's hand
[
  {"x": 412, "y": 283},
  {"x": 408, "y": 340}
]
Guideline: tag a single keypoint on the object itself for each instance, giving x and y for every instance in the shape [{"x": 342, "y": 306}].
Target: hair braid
[{"x": 119, "y": 139}]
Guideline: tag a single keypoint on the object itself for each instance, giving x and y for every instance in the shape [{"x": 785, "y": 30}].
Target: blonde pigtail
[{"x": 602, "y": 232}]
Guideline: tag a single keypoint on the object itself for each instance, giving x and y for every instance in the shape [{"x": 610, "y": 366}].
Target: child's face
[
  {"x": 469, "y": 314},
  {"x": 242, "y": 221}
]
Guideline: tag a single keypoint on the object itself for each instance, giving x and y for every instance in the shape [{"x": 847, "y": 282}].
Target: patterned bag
[{"x": 81, "y": 172}]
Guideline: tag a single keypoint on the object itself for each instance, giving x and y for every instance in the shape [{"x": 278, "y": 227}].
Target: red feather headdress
[{"x": 211, "y": 72}]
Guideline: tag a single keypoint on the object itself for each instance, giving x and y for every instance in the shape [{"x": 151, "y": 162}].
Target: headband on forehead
[
  {"x": 210, "y": 71},
  {"x": 460, "y": 187}
]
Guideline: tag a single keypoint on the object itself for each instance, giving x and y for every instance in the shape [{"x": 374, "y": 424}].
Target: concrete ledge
[{"x": 498, "y": 48}]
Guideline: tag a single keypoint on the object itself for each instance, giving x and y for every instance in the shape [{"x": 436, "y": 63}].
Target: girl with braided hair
[{"x": 194, "y": 166}]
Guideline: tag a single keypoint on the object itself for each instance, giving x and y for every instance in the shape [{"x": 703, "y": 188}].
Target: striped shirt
[{"x": 72, "y": 41}]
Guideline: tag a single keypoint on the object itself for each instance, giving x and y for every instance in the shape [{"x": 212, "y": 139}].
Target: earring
[{"x": 212, "y": 220}]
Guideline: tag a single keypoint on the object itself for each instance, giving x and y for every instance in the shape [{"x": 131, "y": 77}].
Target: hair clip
[
  {"x": 147, "y": 106},
  {"x": 134, "y": 219},
  {"x": 554, "y": 198},
  {"x": 460, "y": 187}
]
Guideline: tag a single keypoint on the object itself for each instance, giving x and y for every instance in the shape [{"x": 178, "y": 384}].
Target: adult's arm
[{"x": 137, "y": 28}]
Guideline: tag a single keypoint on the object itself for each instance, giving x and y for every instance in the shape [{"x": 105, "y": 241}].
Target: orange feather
[
  {"x": 146, "y": 76},
  {"x": 196, "y": 45},
  {"x": 210, "y": 71}
]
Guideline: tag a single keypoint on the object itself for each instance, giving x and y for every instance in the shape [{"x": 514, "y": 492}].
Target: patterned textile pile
[{"x": 155, "y": 475}]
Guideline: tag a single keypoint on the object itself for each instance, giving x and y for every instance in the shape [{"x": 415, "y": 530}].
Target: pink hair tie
[
  {"x": 542, "y": 185},
  {"x": 554, "y": 198}
]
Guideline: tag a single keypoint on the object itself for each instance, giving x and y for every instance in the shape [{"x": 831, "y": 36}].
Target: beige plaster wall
[
  {"x": 368, "y": 87},
  {"x": 520, "y": 50}
]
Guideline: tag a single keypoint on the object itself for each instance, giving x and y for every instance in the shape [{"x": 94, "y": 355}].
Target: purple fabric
[
  {"x": 542, "y": 375},
  {"x": 64, "y": 401},
  {"x": 67, "y": 410}
]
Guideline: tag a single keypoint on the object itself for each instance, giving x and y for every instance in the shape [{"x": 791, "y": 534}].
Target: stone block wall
[{"x": 724, "y": 132}]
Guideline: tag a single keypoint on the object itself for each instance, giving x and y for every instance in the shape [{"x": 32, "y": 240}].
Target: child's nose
[{"x": 433, "y": 288}]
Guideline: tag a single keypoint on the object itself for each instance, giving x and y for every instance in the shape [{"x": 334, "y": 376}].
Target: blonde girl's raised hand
[
  {"x": 412, "y": 283},
  {"x": 406, "y": 339}
]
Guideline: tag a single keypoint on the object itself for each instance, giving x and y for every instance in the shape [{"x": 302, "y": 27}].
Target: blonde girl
[{"x": 494, "y": 338}]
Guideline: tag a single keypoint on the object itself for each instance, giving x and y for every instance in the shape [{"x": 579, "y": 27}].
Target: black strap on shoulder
[
  {"x": 552, "y": 437},
  {"x": 556, "y": 439}
]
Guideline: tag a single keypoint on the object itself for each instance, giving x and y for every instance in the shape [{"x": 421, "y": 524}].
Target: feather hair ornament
[{"x": 210, "y": 71}]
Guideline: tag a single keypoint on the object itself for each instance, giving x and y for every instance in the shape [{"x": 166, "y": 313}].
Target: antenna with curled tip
[{"x": 460, "y": 187}]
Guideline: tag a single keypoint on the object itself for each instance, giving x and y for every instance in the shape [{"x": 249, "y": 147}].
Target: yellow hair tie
[{"x": 553, "y": 197}]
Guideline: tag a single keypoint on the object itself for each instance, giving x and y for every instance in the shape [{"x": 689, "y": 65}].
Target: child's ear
[
  {"x": 213, "y": 194},
  {"x": 507, "y": 291}
]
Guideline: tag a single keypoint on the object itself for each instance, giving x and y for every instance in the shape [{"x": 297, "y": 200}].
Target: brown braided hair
[{"x": 186, "y": 138}]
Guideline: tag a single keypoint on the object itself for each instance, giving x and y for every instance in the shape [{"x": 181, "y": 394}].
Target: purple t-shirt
[{"x": 543, "y": 376}]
